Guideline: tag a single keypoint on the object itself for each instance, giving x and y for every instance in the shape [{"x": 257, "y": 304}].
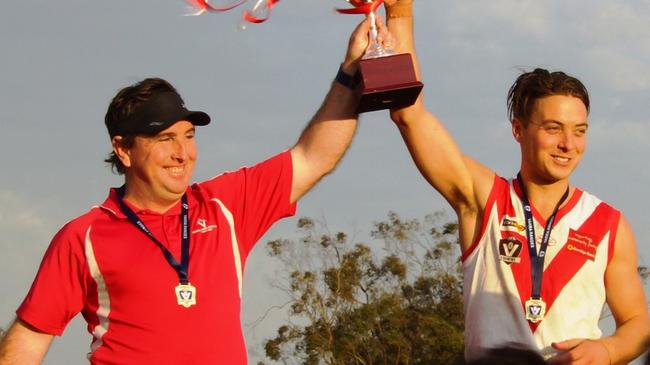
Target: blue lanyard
[
  {"x": 181, "y": 269},
  {"x": 537, "y": 260}
]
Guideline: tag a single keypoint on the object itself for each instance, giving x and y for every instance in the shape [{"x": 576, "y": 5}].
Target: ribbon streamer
[
  {"x": 203, "y": 6},
  {"x": 262, "y": 9},
  {"x": 361, "y": 7},
  {"x": 250, "y": 15},
  {"x": 258, "y": 14}
]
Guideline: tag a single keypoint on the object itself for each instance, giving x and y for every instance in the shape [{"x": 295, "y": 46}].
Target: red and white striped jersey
[{"x": 497, "y": 272}]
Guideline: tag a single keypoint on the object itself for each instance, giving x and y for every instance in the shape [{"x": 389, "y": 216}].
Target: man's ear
[
  {"x": 517, "y": 129},
  {"x": 121, "y": 151}
]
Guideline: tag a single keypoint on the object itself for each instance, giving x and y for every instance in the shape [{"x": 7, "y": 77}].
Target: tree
[
  {"x": 644, "y": 273},
  {"x": 359, "y": 304},
  {"x": 396, "y": 301}
]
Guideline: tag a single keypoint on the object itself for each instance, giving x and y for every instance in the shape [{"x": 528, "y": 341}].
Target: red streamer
[
  {"x": 249, "y": 17},
  {"x": 204, "y": 6},
  {"x": 361, "y": 7}
]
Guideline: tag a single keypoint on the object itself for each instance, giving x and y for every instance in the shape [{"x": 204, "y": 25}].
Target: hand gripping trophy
[{"x": 387, "y": 80}]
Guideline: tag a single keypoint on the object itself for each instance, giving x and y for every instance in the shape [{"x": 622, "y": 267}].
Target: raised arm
[
  {"x": 328, "y": 135},
  {"x": 23, "y": 345},
  {"x": 464, "y": 183},
  {"x": 629, "y": 307}
]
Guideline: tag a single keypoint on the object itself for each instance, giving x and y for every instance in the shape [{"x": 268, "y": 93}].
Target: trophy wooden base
[{"x": 387, "y": 82}]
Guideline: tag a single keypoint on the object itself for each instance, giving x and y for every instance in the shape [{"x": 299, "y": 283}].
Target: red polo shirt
[{"x": 103, "y": 266}]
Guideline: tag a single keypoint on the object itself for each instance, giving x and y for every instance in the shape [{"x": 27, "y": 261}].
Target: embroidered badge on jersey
[
  {"x": 511, "y": 224},
  {"x": 510, "y": 250},
  {"x": 204, "y": 227},
  {"x": 581, "y": 244}
]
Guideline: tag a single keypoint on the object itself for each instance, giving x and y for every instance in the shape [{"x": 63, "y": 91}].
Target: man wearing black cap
[{"x": 156, "y": 270}]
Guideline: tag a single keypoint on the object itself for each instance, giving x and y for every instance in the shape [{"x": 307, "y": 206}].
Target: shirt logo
[
  {"x": 535, "y": 310},
  {"x": 581, "y": 244},
  {"x": 551, "y": 241},
  {"x": 510, "y": 250},
  {"x": 204, "y": 227},
  {"x": 510, "y": 224}
]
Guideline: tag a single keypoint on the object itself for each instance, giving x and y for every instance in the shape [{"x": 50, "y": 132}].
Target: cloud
[
  {"x": 615, "y": 22},
  {"x": 25, "y": 236},
  {"x": 614, "y": 35},
  {"x": 601, "y": 37},
  {"x": 633, "y": 134},
  {"x": 625, "y": 72},
  {"x": 480, "y": 20},
  {"x": 20, "y": 220},
  {"x": 598, "y": 21}
]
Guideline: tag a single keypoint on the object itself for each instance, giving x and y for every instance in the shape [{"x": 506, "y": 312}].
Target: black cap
[{"x": 155, "y": 115}]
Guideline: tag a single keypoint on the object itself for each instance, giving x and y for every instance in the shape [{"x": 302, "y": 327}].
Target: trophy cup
[{"x": 387, "y": 80}]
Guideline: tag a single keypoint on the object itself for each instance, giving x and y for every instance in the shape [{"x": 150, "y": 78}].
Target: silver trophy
[{"x": 375, "y": 49}]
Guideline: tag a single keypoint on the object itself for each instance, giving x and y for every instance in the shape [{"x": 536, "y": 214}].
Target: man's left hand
[
  {"x": 580, "y": 352},
  {"x": 360, "y": 41}
]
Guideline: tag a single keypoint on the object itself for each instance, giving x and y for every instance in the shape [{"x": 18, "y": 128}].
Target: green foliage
[
  {"x": 644, "y": 273},
  {"x": 353, "y": 303}
]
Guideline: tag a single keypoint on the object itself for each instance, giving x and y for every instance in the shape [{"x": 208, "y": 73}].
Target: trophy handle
[{"x": 375, "y": 49}]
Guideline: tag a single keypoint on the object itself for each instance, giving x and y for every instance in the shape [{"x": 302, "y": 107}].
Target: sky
[{"x": 62, "y": 62}]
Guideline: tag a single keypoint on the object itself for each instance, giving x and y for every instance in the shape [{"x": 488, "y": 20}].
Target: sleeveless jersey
[{"x": 497, "y": 272}]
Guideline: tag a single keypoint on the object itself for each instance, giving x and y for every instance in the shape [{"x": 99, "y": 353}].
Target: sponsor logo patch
[
  {"x": 511, "y": 224},
  {"x": 204, "y": 227},
  {"x": 510, "y": 250},
  {"x": 581, "y": 244}
]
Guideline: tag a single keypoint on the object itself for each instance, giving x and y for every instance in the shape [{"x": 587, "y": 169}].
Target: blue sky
[{"x": 63, "y": 61}]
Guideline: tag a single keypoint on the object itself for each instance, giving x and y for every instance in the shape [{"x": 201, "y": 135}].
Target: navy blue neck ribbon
[
  {"x": 182, "y": 268},
  {"x": 537, "y": 260}
]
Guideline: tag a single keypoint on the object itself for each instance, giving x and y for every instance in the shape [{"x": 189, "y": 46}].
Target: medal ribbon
[
  {"x": 537, "y": 260},
  {"x": 182, "y": 268},
  {"x": 361, "y": 7}
]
